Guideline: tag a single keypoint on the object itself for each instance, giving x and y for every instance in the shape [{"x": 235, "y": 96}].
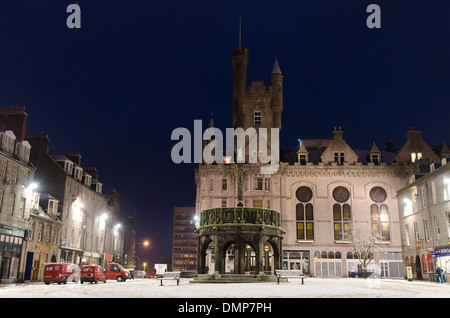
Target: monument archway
[{"x": 241, "y": 228}]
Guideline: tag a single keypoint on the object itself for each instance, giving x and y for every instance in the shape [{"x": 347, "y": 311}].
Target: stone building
[
  {"x": 17, "y": 194},
  {"x": 43, "y": 236},
  {"x": 92, "y": 224},
  {"x": 322, "y": 189},
  {"x": 424, "y": 207}
]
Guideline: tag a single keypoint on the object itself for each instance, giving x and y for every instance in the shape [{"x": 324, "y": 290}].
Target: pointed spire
[
  {"x": 211, "y": 121},
  {"x": 374, "y": 149},
  {"x": 276, "y": 68},
  {"x": 445, "y": 151},
  {"x": 301, "y": 147},
  {"x": 240, "y": 32}
]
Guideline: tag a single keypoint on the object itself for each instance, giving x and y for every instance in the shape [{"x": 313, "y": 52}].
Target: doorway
[
  {"x": 29, "y": 266},
  {"x": 418, "y": 268}
]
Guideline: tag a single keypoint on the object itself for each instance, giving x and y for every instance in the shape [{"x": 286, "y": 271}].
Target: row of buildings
[
  {"x": 52, "y": 209},
  {"x": 325, "y": 187}
]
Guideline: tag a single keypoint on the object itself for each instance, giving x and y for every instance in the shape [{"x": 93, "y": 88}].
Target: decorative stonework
[
  {"x": 304, "y": 194},
  {"x": 341, "y": 194},
  {"x": 239, "y": 226},
  {"x": 378, "y": 194}
]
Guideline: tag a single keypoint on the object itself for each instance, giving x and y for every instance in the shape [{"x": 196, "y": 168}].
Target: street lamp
[
  {"x": 145, "y": 243},
  {"x": 196, "y": 221}
]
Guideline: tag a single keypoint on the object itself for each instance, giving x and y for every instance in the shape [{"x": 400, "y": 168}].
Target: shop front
[
  {"x": 91, "y": 258},
  {"x": 442, "y": 260},
  {"x": 71, "y": 255},
  {"x": 11, "y": 240}
]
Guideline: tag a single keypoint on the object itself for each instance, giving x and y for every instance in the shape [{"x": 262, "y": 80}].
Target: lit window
[
  {"x": 257, "y": 203},
  {"x": 342, "y": 221},
  {"x": 305, "y": 224},
  {"x": 380, "y": 221},
  {"x": 415, "y": 156},
  {"x": 407, "y": 207}
]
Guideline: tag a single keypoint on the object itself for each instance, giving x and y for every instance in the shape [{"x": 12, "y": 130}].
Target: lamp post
[
  {"x": 145, "y": 243},
  {"x": 103, "y": 218}
]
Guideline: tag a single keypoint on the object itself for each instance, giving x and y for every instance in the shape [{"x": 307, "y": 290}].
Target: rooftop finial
[{"x": 240, "y": 18}]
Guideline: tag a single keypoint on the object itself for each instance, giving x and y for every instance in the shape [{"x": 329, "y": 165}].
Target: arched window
[
  {"x": 305, "y": 224},
  {"x": 380, "y": 221},
  {"x": 379, "y": 213},
  {"x": 424, "y": 264},
  {"x": 304, "y": 214},
  {"x": 342, "y": 220},
  {"x": 430, "y": 263}
]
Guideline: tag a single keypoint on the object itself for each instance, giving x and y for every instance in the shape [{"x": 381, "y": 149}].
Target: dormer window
[
  {"x": 68, "y": 167},
  {"x": 375, "y": 158},
  {"x": 52, "y": 207},
  {"x": 7, "y": 140},
  {"x": 415, "y": 156},
  {"x": 99, "y": 187},
  {"x": 339, "y": 158},
  {"x": 302, "y": 159},
  {"x": 77, "y": 173},
  {"x": 23, "y": 150},
  {"x": 87, "y": 180}
]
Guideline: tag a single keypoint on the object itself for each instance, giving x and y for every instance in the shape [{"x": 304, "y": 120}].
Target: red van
[
  {"x": 92, "y": 274},
  {"x": 61, "y": 273},
  {"x": 116, "y": 271}
]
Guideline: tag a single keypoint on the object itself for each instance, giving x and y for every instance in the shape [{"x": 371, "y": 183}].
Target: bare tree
[{"x": 364, "y": 242}]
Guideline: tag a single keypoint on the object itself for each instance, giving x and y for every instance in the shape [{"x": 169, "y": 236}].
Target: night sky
[{"x": 137, "y": 69}]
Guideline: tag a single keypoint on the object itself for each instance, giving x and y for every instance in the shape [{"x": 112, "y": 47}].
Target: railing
[{"x": 238, "y": 216}]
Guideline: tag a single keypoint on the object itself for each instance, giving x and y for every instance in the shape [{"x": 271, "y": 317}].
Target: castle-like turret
[
  {"x": 239, "y": 59},
  {"x": 276, "y": 80}
]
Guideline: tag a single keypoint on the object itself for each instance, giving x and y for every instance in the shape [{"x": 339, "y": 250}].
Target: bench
[
  {"x": 290, "y": 274},
  {"x": 170, "y": 276}
]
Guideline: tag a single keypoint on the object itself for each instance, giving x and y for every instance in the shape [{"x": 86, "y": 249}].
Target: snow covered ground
[{"x": 313, "y": 288}]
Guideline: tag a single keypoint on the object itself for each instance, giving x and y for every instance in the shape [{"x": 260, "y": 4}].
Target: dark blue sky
[{"x": 137, "y": 69}]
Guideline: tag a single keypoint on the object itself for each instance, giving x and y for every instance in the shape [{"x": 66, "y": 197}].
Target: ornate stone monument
[{"x": 239, "y": 226}]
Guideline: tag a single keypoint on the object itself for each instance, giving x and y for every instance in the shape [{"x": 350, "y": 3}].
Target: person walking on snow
[{"x": 439, "y": 273}]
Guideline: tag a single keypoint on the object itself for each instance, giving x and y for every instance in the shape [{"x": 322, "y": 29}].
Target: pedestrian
[{"x": 439, "y": 273}]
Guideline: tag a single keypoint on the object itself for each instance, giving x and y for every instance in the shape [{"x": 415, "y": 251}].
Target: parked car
[
  {"x": 140, "y": 274},
  {"x": 367, "y": 274},
  {"x": 61, "y": 273},
  {"x": 92, "y": 274},
  {"x": 355, "y": 274}
]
